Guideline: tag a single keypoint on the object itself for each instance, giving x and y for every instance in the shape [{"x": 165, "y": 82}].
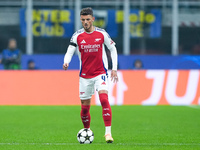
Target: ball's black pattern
[{"x": 85, "y": 136}]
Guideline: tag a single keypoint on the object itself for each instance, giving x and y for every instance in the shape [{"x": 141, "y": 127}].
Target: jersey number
[{"x": 103, "y": 78}]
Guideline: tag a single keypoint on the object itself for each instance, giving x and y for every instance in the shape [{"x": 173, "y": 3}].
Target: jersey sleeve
[
  {"x": 73, "y": 40},
  {"x": 70, "y": 52},
  {"x": 71, "y": 48},
  {"x": 113, "y": 51},
  {"x": 108, "y": 41}
]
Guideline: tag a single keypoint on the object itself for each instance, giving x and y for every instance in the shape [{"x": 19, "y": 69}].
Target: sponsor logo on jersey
[
  {"x": 97, "y": 40},
  {"x": 90, "y": 46},
  {"x": 83, "y": 42}
]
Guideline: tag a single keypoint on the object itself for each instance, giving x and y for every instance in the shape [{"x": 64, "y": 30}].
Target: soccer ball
[{"x": 85, "y": 136}]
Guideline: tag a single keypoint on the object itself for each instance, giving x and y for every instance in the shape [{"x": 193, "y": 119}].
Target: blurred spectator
[
  {"x": 196, "y": 49},
  {"x": 138, "y": 64},
  {"x": 11, "y": 57},
  {"x": 31, "y": 65}
]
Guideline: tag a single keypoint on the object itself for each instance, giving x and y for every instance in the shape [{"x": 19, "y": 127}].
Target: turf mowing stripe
[{"x": 135, "y": 144}]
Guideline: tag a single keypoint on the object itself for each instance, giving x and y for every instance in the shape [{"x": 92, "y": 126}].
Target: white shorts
[{"x": 86, "y": 86}]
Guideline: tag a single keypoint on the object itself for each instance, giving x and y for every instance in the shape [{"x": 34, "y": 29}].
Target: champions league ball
[{"x": 85, "y": 136}]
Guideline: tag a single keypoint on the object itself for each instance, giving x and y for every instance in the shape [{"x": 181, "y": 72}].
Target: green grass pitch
[{"x": 133, "y": 127}]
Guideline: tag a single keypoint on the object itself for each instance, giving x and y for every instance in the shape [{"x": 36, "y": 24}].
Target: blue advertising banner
[
  {"x": 60, "y": 23},
  {"x": 155, "y": 27},
  {"x": 146, "y": 24},
  {"x": 106, "y": 19},
  {"x": 49, "y": 23},
  {"x": 112, "y": 27},
  {"x": 142, "y": 23},
  {"x": 125, "y": 62}
]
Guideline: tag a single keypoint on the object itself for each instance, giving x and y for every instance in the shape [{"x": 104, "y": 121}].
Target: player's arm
[
  {"x": 113, "y": 52},
  {"x": 68, "y": 56}
]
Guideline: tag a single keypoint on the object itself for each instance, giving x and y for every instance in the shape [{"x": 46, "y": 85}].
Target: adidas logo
[
  {"x": 103, "y": 83},
  {"x": 83, "y": 42}
]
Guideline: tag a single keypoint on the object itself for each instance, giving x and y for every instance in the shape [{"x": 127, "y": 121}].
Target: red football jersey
[{"x": 92, "y": 54}]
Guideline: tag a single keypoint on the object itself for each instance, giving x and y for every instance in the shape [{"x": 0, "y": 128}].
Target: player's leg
[
  {"x": 85, "y": 113},
  {"x": 85, "y": 93},
  {"x": 102, "y": 87},
  {"x": 107, "y": 114},
  {"x": 106, "y": 109}
]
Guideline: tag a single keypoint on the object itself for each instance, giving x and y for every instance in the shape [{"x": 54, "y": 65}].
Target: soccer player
[{"x": 90, "y": 42}]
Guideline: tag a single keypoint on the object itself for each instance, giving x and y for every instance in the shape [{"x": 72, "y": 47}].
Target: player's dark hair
[{"x": 87, "y": 11}]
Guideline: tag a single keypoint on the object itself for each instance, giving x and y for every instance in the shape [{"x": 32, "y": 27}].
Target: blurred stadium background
[
  {"x": 157, "y": 27},
  {"x": 142, "y": 40},
  {"x": 163, "y": 34}
]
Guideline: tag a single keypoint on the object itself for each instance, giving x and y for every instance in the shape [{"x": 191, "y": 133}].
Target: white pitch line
[
  {"x": 134, "y": 144},
  {"x": 159, "y": 144},
  {"x": 194, "y": 106}
]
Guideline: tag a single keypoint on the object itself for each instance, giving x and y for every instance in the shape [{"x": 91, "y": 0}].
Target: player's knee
[
  {"x": 85, "y": 102},
  {"x": 103, "y": 92},
  {"x": 85, "y": 109},
  {"x": 104, "y": 102},
  {"x": 103, "y": 99}
]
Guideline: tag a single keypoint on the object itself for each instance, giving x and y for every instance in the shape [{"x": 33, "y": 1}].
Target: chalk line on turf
[
  {"x": 194, "y": 106},
  {"x": 134, "y": 144}
]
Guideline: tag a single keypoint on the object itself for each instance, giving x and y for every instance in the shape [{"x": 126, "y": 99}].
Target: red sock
[
  {"x": 106, "y": 109},
  {"x": 85, "y": 115}
]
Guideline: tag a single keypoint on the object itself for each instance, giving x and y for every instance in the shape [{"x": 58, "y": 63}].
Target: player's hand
[
  {"x": 65, "y": 66},
  {"x": 114, "y": 76}
]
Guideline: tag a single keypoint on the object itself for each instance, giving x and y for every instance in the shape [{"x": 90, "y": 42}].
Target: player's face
[
  {"x": 87, "y": 22},
  {"x": 12, "y": 44}
]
